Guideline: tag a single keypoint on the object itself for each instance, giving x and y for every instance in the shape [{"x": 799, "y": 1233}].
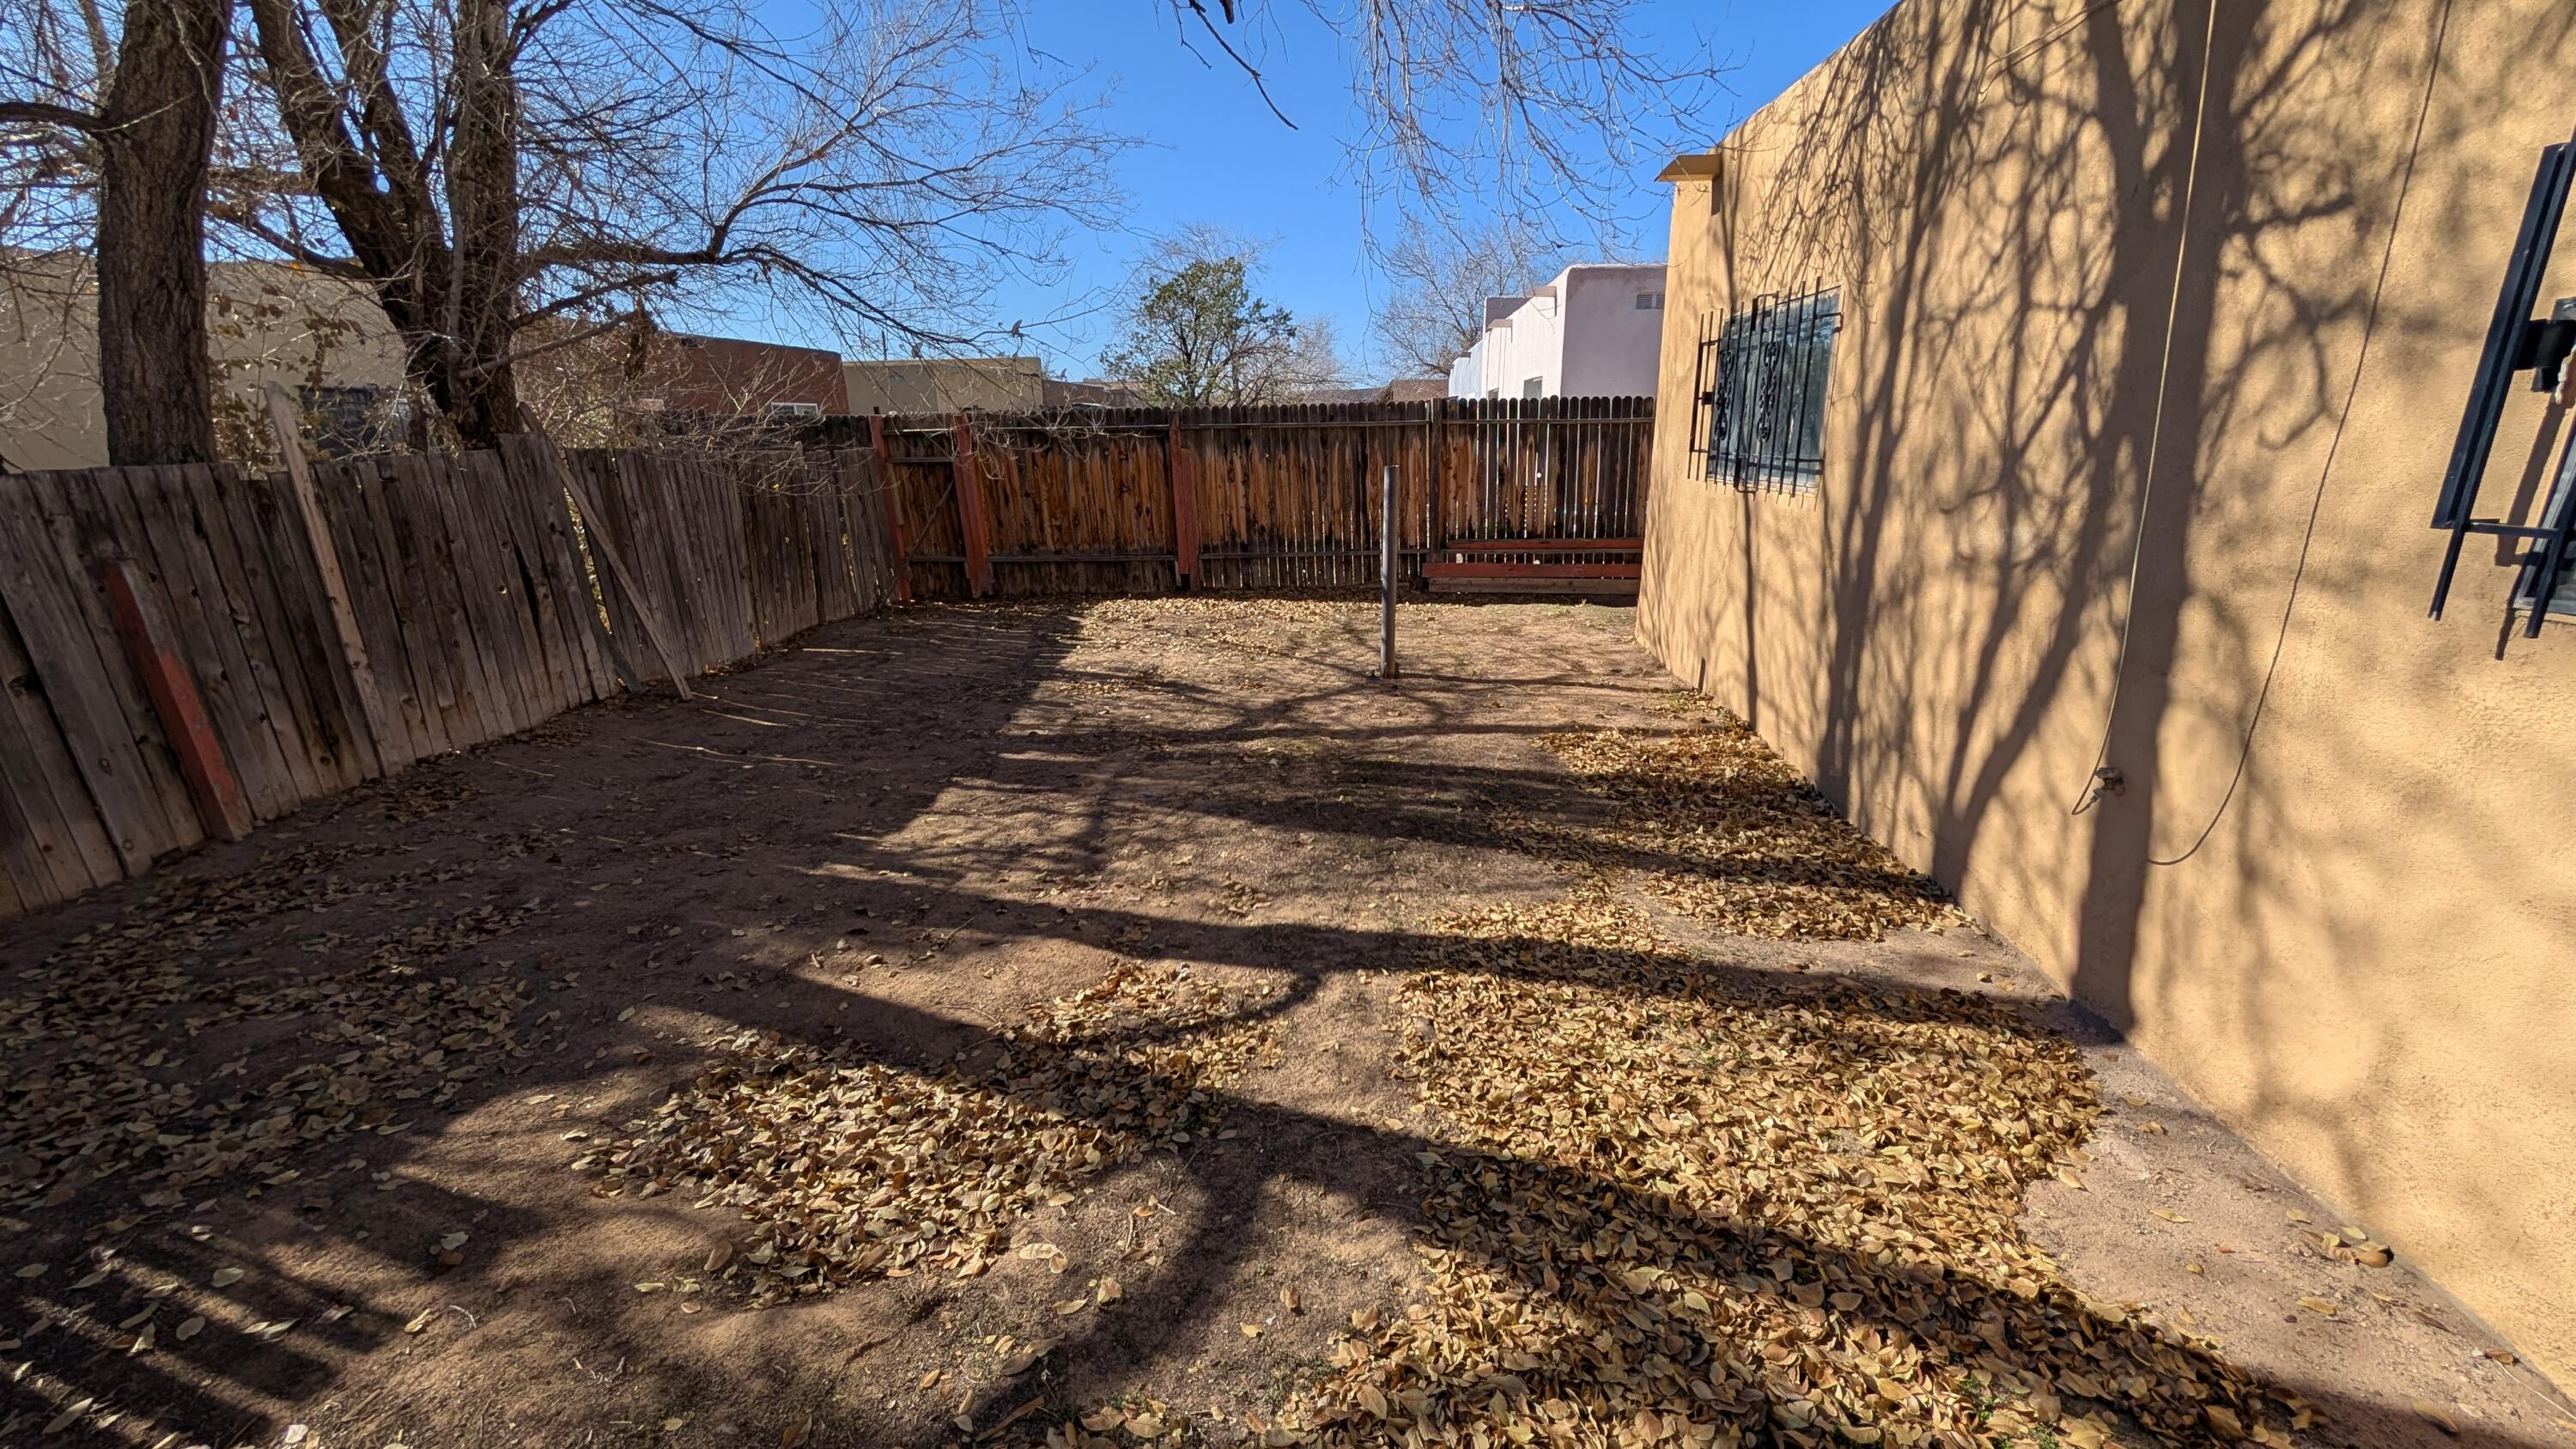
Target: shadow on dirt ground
[{"x": 1130, "y": 1022}]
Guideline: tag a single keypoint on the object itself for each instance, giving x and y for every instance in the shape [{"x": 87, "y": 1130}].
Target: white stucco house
[{"x": 1595, "y": 331}]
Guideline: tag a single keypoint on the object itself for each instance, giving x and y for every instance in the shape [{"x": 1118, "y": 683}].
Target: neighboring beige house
[
  {"x": 946, "y": 384},
  {"x": 326, "y": 339},
  {"x": 2083, "y": 377},
  {"x": 957, "y": 384},
  {"x": 331, "y": 345}
]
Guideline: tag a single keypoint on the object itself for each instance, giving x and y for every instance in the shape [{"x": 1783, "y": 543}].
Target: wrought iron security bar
[
  {"x": 1759, "y": 393},
  {"x": 2519, "y": 342}
]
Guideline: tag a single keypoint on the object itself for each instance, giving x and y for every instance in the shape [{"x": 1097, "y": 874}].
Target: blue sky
[{"x": 1211, "y": 152}]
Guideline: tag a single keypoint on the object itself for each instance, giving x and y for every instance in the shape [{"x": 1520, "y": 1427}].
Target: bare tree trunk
[
  {"x": 154, "y": 137},
  {"x": 381, "y": 196},
  {"x": 483, "y": 199}
]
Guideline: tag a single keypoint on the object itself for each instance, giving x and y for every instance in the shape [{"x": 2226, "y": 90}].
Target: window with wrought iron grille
[
  {"x": 342, "y": 422},
  {"x": 1759, "y": 396}
]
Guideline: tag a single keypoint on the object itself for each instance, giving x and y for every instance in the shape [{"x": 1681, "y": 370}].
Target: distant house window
[
  {"x": 1534, "y": 387},
  {"x": 1761, "y": 392},
  {"x": 1650, "y": 301},
  {"x": 345, "y": 421},
  {"x": 795, "y": 410}
]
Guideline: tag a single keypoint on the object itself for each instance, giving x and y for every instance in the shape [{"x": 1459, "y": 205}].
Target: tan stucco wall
[
  {"x": 265, "y": 321},
  {"x": 2368, "y": 963},
  {"x": 945, "y": 384}
]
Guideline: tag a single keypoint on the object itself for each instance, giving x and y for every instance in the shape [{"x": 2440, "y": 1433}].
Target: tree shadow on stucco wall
[{"x": 2159, "y": 247}]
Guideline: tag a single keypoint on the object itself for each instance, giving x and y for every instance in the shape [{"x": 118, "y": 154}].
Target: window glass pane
[
  {"x": 2562, "y": 603},
  {"x": 1767, "y": 398}
]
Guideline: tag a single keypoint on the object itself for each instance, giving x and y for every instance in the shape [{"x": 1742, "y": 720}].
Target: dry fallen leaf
[
  {"x": 2439, "y": 1418},
  {"x": 1021, "y": 1362},
  {"x": 69, "y": 1416}
]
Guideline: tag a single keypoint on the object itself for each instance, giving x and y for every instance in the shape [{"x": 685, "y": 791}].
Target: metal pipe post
[{"x": 1386, "y": 571}]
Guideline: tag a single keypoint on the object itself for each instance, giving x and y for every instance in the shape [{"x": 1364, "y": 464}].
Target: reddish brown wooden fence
[
  {"x": 1086, "y": 500},
  {"x": 481, "y": 605}
]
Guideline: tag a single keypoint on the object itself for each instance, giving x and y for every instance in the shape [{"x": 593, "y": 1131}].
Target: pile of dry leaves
[
  {"x": 134, "y": 1053},
  {"x": 1227, "y": 625},
  {"x": 1714, "y": 823},
  {"x": 1689, "y": 1206},
  {"x": 1685, "y": 1209},
  {"x": 845, "y": 1168}
]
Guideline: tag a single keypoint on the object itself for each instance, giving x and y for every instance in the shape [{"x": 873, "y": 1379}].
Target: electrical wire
[
  {"x": 2156, "y": 434},
  {"x": 2316, "y": 501},
  {"x": 2325, "y": 472}
]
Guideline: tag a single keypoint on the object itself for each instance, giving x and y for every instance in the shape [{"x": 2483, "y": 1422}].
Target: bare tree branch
[
  {"x": 1438, "y": 279},
  {"x": 1536, "y": 109},
  {"x": 40, "y": 113}
]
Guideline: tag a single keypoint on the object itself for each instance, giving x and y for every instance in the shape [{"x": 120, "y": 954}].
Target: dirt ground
[{"x": 1130, "y": 1022}]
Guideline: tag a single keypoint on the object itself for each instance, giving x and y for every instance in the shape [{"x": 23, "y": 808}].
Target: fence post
[
  {"x": 217, "y": 795},
  {"x": 970, "y": 513},
  {"x": 1386, "y": 574},
  {"x": 1183, "y": 469},
  {"x": 326, "y": 565},
  {"x": 1435, "y": 475},
  {"x": 893, "y": 514}
]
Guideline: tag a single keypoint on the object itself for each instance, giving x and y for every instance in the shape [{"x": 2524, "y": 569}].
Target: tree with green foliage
[{"x": 1199, "y": 336}]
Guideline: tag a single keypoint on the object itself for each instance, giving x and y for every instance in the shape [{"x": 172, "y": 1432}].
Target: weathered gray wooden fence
[{"x": 171, "y": 665}]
